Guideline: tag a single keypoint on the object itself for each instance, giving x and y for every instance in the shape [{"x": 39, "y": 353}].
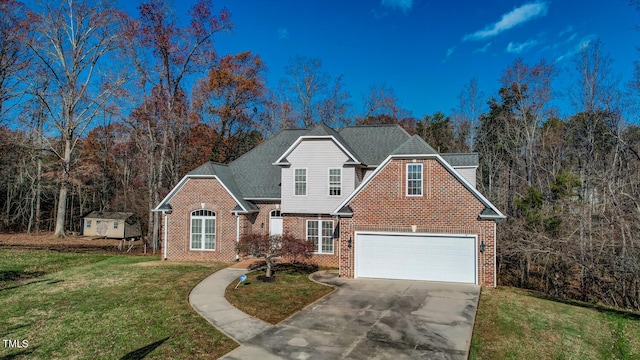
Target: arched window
[{"x": 203, "y": 230}]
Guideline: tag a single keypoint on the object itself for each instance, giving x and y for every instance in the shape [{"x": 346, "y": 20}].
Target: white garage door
[{"x": 416, "y": 257}]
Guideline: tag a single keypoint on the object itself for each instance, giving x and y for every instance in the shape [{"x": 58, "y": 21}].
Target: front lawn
[
  {"x": 516, "y": 324},
  {"x": 276, "y": 301},
  {"x": 99, "y": 306}
]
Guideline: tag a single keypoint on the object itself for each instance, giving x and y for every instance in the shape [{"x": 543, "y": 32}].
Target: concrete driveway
[{"x": 373, "y": 319}]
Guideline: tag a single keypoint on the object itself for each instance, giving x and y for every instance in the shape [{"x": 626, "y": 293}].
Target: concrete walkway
[{"x": 207, "y": 298}]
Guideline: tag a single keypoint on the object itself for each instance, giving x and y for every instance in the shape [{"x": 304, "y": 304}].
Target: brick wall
[
  {"x": 296, "y": 225},
  {"x": 194, "y": 194},
  {"x": 446, "y": 206}
]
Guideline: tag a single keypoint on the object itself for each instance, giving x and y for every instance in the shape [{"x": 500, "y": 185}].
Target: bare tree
[
  {"x": 73, "y": 41},
  {"x": 465, "y": 117},
  {"x": 381, "y": 103},
  {"x": 307, "y": 82}
]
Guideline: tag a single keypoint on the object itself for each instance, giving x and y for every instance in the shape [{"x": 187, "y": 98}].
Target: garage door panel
[{"x": 402, "y": 256}]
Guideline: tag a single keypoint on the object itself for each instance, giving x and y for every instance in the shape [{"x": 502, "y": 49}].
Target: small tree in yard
[{"x": 271, "y": 246}]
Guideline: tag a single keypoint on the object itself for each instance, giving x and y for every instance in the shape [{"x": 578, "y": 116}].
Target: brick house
[{"x": 376, "y": 201}]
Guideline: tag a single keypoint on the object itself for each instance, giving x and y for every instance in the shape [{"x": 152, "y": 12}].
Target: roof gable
[
  {"x": 321, "y": 131},
  {"x": 212, "y": 170},
  {"x": 415, "y": 145},
  {"x": 490, "y": 211}
]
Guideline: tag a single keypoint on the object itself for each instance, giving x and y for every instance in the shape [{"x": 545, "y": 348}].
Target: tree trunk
[
  {"x": 268, "y": 261},
  {"x": 62, "y": 198}
]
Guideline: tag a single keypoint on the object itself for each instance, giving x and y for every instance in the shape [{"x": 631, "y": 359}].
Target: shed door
[
  {"x": 102, "y": 227},
  {"x": 416, "y": 257}
]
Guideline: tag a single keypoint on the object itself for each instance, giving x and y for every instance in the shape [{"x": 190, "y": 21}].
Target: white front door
[
  {"x": 275, "y": 223},
  {"x": 434, "y": 257}
]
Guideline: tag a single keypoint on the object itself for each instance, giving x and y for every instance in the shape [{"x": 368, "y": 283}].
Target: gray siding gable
[{"x": 316, "y": 156}]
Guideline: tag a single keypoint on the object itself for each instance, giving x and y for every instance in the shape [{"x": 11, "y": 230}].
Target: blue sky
[{"x": 427, "y": 50}]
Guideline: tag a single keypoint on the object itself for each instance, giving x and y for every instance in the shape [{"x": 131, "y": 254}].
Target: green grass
[
  {"x": 276, "y": 301},
  {"x": 80, "y": 306},
  {"x": 515, "y": 324}
]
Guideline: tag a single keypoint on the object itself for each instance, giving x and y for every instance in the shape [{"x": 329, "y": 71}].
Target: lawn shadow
[
  {"x": 20, "y": 354},
  {"x": 600, "y": 308},
  {"x": 13, "y": 275},
  {"x": 143, "y": 351},
  {"x": 48, "y": 281},
  {"x": 13, "y": 328}
]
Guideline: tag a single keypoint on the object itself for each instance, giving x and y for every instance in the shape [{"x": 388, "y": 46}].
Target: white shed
[{"x": 115, "y": 225}]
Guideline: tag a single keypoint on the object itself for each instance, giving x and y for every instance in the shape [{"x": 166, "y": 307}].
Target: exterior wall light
[
  {"x": 482, "y": 246},
  {"x": 350, "y": 242}
]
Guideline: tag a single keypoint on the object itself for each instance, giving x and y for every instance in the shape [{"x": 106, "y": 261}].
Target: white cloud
[
  {"x": 583, "y": 43},
  {"x": 283, "y": 33},
  {"x": 483, "y": 49},
  {"x": 404, "y": 5},
  {"x": 450, "y": 51},
  {"x": 511, "y": 19},
  {"x": 518, "y": 48}
]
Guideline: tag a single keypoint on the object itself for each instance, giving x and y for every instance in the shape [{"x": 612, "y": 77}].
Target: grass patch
[
  {"x": 275, "y": 301},
  {"x": 516, "y": 324},
  {"x": 81, "y": 306}
]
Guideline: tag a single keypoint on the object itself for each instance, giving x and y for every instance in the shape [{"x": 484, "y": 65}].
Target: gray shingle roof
[
  {"x": 464, "y": 159},
  {"x": 254, "y": 172},
  {"x": 415, "y": 145},
  {"x": 253, "y": 175},
  {"x": 223, "y": 172},
  {"x": 109, "y": 215},
  {"x": 374, "y": 143}
]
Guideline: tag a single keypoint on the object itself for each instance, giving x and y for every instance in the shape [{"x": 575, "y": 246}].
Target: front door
[{"x": 275, "y": 222}]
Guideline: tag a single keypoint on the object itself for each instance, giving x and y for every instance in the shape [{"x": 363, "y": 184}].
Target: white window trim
[
  {"x": 329, "y": 181},
  {"x": 88, "y": 224},
  {"x": 421, "y": 179},
  {"x": 306, "y": 181},
  {"x": 319, "y": 236},
  {"x": 215, "y": 233}
]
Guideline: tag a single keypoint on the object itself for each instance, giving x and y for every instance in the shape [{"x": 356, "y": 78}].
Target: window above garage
[{"x": 414, "y": 180}]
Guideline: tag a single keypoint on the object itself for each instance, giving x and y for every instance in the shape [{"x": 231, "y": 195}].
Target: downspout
[
  {"x": 166, "y": 233},
  {"x": 237, "y": 236},
  {"x": 495, "y": 251}
]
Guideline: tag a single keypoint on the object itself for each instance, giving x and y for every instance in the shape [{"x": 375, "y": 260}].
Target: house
[
  {"x": 376, "y": 201},
  {"x": 114, "y": 225}
]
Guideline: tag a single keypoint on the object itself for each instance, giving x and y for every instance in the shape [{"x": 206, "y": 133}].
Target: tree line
[{"x": 102, "y": 110}]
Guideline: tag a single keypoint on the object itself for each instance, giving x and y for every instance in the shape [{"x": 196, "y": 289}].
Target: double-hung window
[
  {"x": 115, "y": 224},
  {"x": 300, "y": 182},
  {"x": 203, "y": 230},
  {"x": 335, "y": 182},
  {"x": 414, "y": 179},
  {"x": 320, "y": 232}
]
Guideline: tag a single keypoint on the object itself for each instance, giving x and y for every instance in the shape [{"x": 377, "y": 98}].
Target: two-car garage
[{"x": 416, "y": 256}]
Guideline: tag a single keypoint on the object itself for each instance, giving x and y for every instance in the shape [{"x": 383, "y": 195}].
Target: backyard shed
[{"x": 114, "y": 225}]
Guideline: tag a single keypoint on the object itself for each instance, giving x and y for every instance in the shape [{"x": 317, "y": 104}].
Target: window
[
  {"x": 414, "y": 179},
  {"x": 203, "y": 230},
  {"x": 335, "y": 182},
  {"x": 300, "y": 182},
  {"x": 320, "y": 232},
  {"x": 115, "y": 224},
  {"x": 88, "y": 224}
]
